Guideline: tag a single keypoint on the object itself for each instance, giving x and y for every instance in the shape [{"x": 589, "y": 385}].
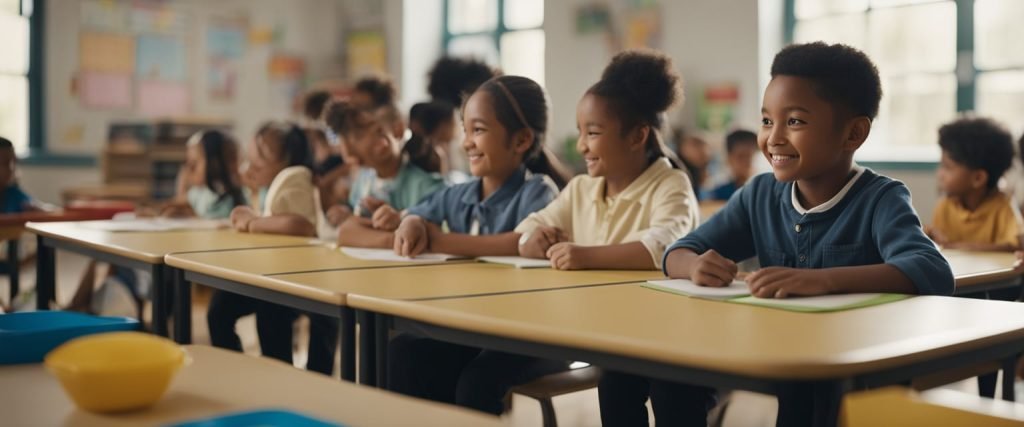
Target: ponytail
[
  {"x": 519, "y": 104},
  {"x": 421, "y": 154}
]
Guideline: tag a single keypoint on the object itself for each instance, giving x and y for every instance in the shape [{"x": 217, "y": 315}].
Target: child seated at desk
[
  {"x": 740, "y": 147},
  {"x": 974, "y": 214},
  {"x": 13, "y": 199},
  {"x": 819, "y": 224},
  {"x": 634, "y": 200}
]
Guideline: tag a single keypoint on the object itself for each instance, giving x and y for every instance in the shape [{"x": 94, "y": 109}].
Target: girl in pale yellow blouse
[{"x": 634, "y": 200}]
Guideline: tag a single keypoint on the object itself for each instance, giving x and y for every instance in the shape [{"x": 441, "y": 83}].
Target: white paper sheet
[{"x": 517, "y": 261}]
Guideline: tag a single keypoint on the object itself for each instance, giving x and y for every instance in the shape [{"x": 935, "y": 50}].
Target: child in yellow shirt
[{"x": 974, "y": 214}]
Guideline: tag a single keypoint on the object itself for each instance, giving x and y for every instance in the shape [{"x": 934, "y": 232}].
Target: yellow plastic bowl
[{"x": 117, "y": 371}]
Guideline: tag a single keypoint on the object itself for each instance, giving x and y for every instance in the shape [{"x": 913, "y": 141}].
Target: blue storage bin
[
  {"x": 267, "y": 418},
  {"x": 27, "y": 337}
]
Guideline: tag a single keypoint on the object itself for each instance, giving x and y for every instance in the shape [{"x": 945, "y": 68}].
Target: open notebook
[
  {"x": 156, "y": 224},
  {"x": 367, "y": 254},
  {"x": 517, "y": 261},
  {"x": 738, "y": 292}
]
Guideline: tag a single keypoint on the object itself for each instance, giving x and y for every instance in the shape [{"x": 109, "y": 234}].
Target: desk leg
[
  {"x": 347, "y": 333},
  {"x": 383, "y": 329},
  {"x": 367, "y": 344},
  {"x": 1009, "y": 375},
  {"x": 46, "y": 264},
  {"x": 827, "y": 401},
  {"x": 182, "y": 307},
  {"x": 160, "y": 295},
  {"x": 14, "y": 270}
]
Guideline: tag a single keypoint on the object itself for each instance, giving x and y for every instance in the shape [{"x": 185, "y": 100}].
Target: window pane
[
  {"x": 14, "y": 111},
  {"x": 13, "y": 44},
  {"x": 997, "y": 32},
  {"x": 846, "y": 29},
  {"x": 815, "y": 8},
  {"x": 521, "y": 14},
  {"x": 887, "y": 3},
  {"x": 913, "y": 108},
  {"x": 915, "y": 38},
  {"x": 480, "y": 47},
  {"x": 1000, "y": 95},
  {"x": 522, "y": 54},
  {"x": 472, "y": 16},
  {"x": 10, "y": 7}
]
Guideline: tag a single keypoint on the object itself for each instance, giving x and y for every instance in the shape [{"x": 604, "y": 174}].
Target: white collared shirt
[{"x": 831, "y": 202}]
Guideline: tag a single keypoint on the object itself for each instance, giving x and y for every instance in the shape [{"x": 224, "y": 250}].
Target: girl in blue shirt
[{"x": 505, "y": 121}]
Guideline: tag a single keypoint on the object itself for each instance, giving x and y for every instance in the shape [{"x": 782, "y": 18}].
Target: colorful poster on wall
[
  {"x": 716, "y": 109},
  {"x": 226, "y": 40},
  {"x": 287, "y": 77},
  {"x": 367, "y": 53},
  {"x": 157, "y": 17},
  {"x": 221, "y": 79},
  {"x": 104, "y": 90},
  {"x": 162, "y": 99},
  {"x": 161, "y": 58},
  {"x": 642, "y": 27},
  {"x": 104, "y": 15},
  {"x": 106, "y": 52}
]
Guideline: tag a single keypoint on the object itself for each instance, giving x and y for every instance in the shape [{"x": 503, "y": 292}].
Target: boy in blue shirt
[
  {"x": 740, "y": 149},
  {"x": 819, "y": 224},
  {"x": 12, "y": 198}
]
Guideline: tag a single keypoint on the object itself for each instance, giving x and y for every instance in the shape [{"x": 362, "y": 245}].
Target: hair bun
[{"x": 646, "y": 78}]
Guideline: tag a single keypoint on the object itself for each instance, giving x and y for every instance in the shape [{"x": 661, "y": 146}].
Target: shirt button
[
  {"x": 797, "y": 228},
  {"x": 803, "y": 258}
]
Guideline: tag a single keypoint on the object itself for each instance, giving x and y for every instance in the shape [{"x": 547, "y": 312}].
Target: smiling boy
[{"x": 819, "y": 224}]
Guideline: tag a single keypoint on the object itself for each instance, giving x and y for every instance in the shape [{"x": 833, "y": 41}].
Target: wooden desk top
[
  {"x": 898, "y": 406},
  {"x": 151, "y": 247},
  {"x": 642, "y": 323},
  {"x": 450, "y": 280},
  {"x": 978, "y": 268},
  {"x": 242, "y": 263},
  {"x": 219, "y": 381}
]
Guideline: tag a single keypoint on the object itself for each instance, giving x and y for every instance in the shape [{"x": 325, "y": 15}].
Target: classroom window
[
  {"x": 14, "y": 43},
  {"x": 503, "y": 33},
  {"x": 914, "y": 45},
  {"x": 999, "y": 60}
]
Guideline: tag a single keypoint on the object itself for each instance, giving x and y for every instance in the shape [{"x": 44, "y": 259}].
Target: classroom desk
[
  {"x": 13, "y": 225},
  {"x": 646, "y": 332},
  {"x": 142, "y": 250},
  {"x": 978, "y": 272},
  {"x": 325, "y": 291},
  {"x": 220, "y": 381},
  {"x": 899, "y": 406}
]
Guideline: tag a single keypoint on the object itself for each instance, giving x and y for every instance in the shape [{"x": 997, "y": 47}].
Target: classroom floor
[{"x": 577, "y": 409}]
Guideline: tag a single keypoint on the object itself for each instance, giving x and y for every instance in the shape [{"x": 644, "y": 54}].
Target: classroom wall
[
  {"x": 711, "y": 41},
  {"x": 312, "y": 29}
]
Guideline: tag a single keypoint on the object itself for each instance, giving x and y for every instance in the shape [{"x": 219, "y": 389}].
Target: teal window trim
[
  {"x": 966, "y": 73},
  {"x": 38, "y": 154},
  {"x": 499, "y": 30}
]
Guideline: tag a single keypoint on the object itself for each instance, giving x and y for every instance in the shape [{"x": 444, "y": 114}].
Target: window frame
[
  {"x": 965, "y": 71},
  {"x": 495, "y": 35},
  {"x": 38, "y": 152}
]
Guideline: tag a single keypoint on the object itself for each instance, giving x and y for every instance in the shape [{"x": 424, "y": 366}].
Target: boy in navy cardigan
[{"x": 819, "y": 224}]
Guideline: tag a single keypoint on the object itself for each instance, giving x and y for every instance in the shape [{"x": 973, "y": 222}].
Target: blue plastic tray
[
  {"x": 262, "y": 418},
  {"x": 27, "y": 337}
]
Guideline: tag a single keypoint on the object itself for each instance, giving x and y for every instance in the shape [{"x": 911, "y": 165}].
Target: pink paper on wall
[
  {"x": 162, "y": 98},
  {"x": 105, "y": 90}
]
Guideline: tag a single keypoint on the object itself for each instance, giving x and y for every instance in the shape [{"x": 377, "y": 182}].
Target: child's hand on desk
[
  {"x": 538, "y": 242},
  {"x": 567, "y": 256},
  {"x": 714, "y": 270},
  {"x": 386, "y": 218},
  {"x": 937, "y": 236},
  {"x": 241, "y": 217},
  {"x": 411, "y": 237},
  {"x": 337, "y": 214},
  {"x": 369, "y": 204},
  {"x": 784, "y": 282}
]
